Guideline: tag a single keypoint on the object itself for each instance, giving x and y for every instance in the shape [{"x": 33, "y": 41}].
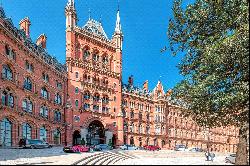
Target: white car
[
  {"x": 128, "y": 147},
  {"x": 230, "y": 158},
  {"x": 180, "y": 148}
]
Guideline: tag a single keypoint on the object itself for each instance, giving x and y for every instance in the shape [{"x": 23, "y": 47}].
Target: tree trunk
[{"x": 242, "y": 154}]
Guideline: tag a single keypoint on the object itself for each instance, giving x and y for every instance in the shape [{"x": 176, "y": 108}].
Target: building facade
[
  {"x": 32, "y": 87},
  {"x": 85, "y": 99}
]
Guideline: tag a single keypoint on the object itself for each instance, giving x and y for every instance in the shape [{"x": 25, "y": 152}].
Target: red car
[
  {"x": 76, "y": 148},
  {"x": 152, "y": 147}
]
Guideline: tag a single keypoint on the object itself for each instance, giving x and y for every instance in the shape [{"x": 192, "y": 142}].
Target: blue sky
[{"x": 144, "y": 25}]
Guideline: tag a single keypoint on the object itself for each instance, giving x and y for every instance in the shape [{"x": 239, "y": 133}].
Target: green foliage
[{"x": 214, "y": 37}]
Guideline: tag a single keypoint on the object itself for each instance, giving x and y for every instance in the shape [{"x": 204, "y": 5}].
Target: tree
[{"x": 214, "y": 38}]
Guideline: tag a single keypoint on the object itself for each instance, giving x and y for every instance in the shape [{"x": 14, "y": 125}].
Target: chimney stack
[
  {"x": 131, "y": 80},
  {"x": 145, "y": 85},
  {"x": 41, "y": 40},
  {"x": 25, "y": 25}
]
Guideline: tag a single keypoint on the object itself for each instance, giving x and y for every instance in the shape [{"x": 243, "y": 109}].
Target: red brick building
[
  {"x": 85, "y": 99},
  {"x": 32, "y": 87}
]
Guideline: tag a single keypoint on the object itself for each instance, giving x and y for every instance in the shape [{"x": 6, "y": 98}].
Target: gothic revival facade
[{"x": 85, "y": 99}]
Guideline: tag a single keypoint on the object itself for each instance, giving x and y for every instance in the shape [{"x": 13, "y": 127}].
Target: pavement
[{"x": 56, "y": 156}]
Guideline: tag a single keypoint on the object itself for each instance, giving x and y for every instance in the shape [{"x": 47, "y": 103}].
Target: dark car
[
  {"x": 34, "y": 144},
  {"x": 101, "y": 147},
  {"x": 76, "y": 148}
]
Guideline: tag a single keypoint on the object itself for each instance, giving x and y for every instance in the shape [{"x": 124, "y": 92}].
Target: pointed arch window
[
  {"x": 27, "y": 105},
  {"x": 44, "y": 112},
  {"x": 58, "y": 99},
  {"x": 27, "y": 84},
  {"x": 7, "y": 99},
  {"x": 86, "y": 54},
  {"x": 43, "y": 134},
  {"x": 26, "y": 129},
  {"x": 44, "y": 93},
  {"x": 57, "y": 116},
  {"x": 7, "y": 73}
]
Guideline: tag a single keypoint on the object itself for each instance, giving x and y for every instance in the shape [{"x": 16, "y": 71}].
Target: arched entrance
[
  {"x": 76, "y": 138},
  {"x": 96, "y": 133}
]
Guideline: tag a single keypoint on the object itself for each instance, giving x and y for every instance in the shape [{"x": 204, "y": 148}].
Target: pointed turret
[
  {"x": 70, "y": 13},
  {"x": 118, "y": 27}
]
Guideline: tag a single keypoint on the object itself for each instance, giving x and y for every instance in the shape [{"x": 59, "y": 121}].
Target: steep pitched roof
[{"x": 95, "y": 27}]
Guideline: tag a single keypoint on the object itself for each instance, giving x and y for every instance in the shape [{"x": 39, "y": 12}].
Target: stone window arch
[
  {"x": 7, "y": 98},
  {"x": 7, "y": 73},
  {"x": 27, "y": 105},
  {"x": 27, "y": 84}
]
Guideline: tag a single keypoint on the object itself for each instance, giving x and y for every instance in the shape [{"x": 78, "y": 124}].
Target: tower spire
[
  {"x": 118, "y": 28},
  {"x": 71, "y": 2}
]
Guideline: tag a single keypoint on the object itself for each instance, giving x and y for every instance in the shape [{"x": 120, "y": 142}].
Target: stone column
[{"x": 120, "y": 132}]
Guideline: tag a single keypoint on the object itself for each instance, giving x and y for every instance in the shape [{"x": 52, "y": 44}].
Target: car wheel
[{"x": 32, "y": 147}]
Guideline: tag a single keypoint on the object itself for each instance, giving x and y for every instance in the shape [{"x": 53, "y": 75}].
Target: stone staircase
[{"x": 104, "y": 158}]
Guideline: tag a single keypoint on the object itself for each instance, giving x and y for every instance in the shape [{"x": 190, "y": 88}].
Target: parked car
[
  {"x": 152, "y": 147},
  {"x": 180, "y": 148},
  {"x": 76, "y": 148},
  {"x": 195, "y": 149},
  {"x": 101, "y": 147},
  {"x": 230, "y": 158},
  {"x": 34, "y": 143},
  {"x": 128, "y": 147}
]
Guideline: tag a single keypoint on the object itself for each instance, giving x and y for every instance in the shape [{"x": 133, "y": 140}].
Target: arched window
[
  {"x": 7, "y": 50},
  {"x": 29, "y": 66},
  {"x": 96, "y": 97},
  {"x": 105, "y": 59},
  {"x": 26, "y": 131},
  {"x": 57, "y": 137},
  {"x": 77, "y": 103},
  {"x": 105, "y": 99},
  {"x": 7, "y": 99},
  {"x": 58, "y": 99},
  {"x": 76, "y": 90},
  {"x": 43, "y": 134},
  {"x": 7, "y": 73},
  {"x": 132, "y": 127},
  {"x": 27, "y": 105},
  {"x": 132, "y": 114},
  {"x": 86, "y": 106},
  {"x": 45, "y": 77},
  {"x": 147, "y": 130},
  {"x": 44, "y": 93},
  {"x": 27, "y": 84},
  {"x": 5, "y": 132},
  {"x": 77, "y": 74},
  {"x": 87, "y": 95},
  {"x": 57, "y": 116},
  {"x": 86, "y": 54},
  {"x": 44, "y": 111},
  {"x": 95, "y": 57}
]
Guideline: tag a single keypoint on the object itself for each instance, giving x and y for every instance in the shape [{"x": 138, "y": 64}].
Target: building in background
[{"x": 85, "y": 99}]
